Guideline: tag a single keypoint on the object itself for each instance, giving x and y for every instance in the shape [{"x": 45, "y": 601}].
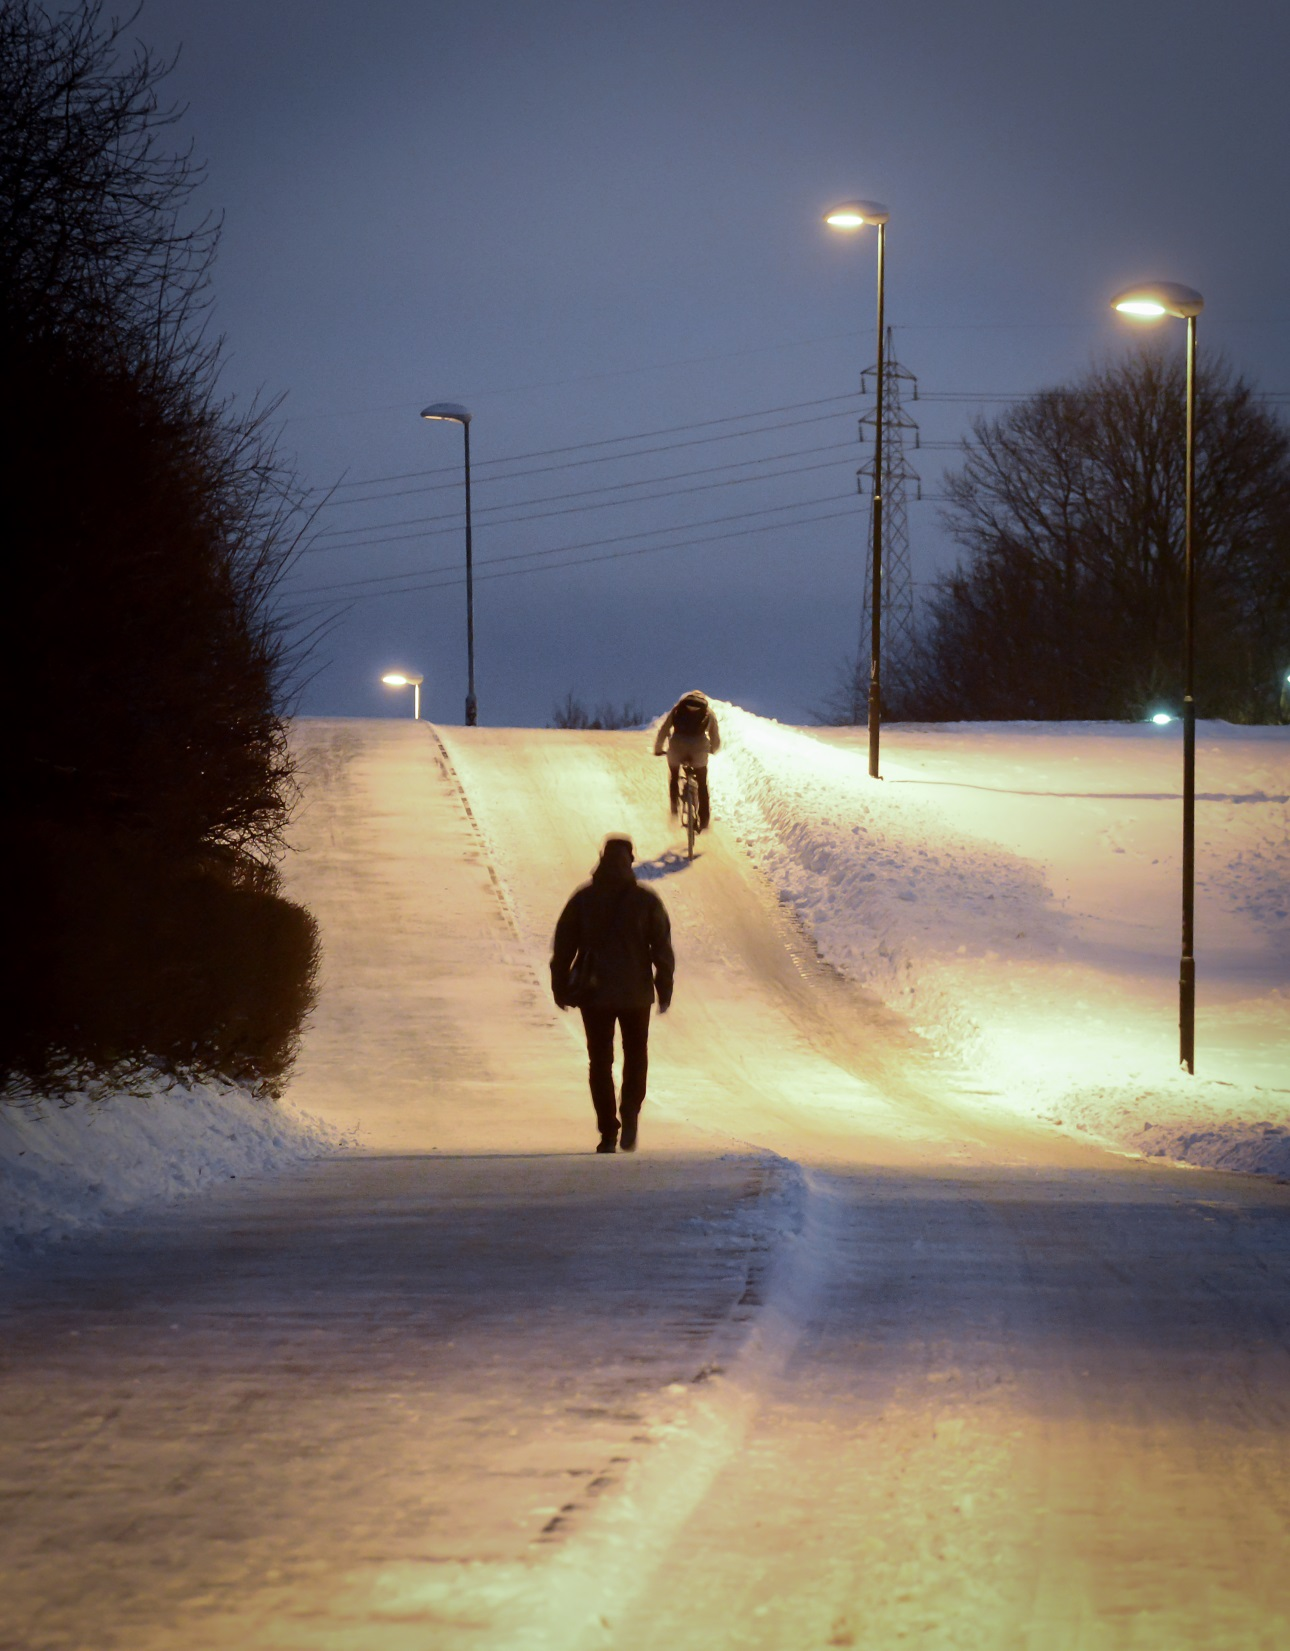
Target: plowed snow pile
[
  {"x": 1014, "y": 889},
  {"x": 63, "y": 1167}
]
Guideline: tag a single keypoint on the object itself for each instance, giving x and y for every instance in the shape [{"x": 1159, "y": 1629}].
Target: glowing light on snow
[{"x": 1161, "y": 718}]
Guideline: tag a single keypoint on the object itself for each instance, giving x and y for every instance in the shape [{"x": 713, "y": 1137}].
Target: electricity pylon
[{"x": 897, "y": 575}]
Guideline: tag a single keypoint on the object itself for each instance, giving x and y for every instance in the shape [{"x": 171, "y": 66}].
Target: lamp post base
[
  {"x": 472, "y": 711},
  {"x": 1187, "y": 1013}
]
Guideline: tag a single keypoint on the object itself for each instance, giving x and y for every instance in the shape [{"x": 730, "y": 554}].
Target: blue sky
[{"x": 598, "y": 226}]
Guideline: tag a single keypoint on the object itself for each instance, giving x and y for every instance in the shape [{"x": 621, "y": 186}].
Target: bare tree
[
  {"x": 149, "y": 523},
  {"x": 92, "y": 195},
  {"x": 573, "y": 713},
  {"x": 1069, "y": 507}
]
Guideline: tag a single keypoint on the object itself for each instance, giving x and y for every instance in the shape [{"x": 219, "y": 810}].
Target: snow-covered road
[{"x": 849, "y": 1355}]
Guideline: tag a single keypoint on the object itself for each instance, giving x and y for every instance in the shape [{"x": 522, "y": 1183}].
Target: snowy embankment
[
  {"x": 1013, "y": 889},
  {"x": 71, "y": 1166}
]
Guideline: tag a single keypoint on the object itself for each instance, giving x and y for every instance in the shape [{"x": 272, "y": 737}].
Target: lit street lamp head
[
  {"x": 855, "y": 215},
  {"x": 406, "y": 679},
  {"x": 447, "y": 409},
  {"x": 1152, "y": 299}
]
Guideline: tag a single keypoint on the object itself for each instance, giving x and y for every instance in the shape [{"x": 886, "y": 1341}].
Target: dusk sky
[{"x": 598, "y": 226}]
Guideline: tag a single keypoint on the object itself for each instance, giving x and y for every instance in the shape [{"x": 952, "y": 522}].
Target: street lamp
[
  {"x": 1149, "y": 302},
  {"x": 460, "y": 415},
  {"x": 852, "y": 215},
  {"x": 405, "y": 679}
]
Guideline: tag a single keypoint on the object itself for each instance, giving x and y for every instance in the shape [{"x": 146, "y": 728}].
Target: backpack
[
  {"x": 690, "y": 715},
  {"x": 586, "y": 974}
]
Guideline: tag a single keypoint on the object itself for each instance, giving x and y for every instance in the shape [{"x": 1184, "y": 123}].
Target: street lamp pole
[
  {"x": 460, "y": 415},
  {"x": 854, "y": 215},
  {"x": 406, "y": 679},
  {"x": 1150, "y": 302},
  {"x": 1187, "y": 969}
]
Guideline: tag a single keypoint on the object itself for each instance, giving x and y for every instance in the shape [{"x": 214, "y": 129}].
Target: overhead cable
[
  {"x": 608, "y": 441},
  {"x": 590, "y": 544}
]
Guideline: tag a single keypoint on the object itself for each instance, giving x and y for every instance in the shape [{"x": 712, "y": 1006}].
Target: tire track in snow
[{"x": 452, "y": 779}]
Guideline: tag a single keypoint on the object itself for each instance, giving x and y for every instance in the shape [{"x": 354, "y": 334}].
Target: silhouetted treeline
[
  {"x": 571, "y": 712},
  {"x": 146, "y": 777},
  {"x": 1068, "y": 599}
]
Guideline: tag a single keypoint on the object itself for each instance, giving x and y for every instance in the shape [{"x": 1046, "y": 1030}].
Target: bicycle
[{"x": 689, "y": 798}]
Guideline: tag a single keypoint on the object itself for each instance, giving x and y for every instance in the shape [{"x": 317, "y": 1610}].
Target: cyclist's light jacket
[{"x": 685, "y": 746}]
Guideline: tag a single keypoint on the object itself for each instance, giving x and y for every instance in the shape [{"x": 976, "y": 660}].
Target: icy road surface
[{"x": 848, "y": 1355}]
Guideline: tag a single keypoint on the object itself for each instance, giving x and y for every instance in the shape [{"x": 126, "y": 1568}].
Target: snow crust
[
  {"x": 70, "y": 1166},
  {"x": 1013, "y": 889}
]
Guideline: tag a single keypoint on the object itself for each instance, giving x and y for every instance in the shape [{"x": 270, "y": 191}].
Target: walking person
[
  {"x": 611, "y": 954},
  {"x": 689, "y": 734}
]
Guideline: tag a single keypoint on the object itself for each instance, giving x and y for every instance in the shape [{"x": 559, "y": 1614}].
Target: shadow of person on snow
[{"x": 662, "y": 865}]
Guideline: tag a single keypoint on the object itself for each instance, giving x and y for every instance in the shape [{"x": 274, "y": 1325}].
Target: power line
[
  {"x": 589, "y": 544},
  {"x": 605, "y": 458},
  {"x": 603, "y": 504},
  {"x": 610, "y": 441},
  {"x": 948, "y": 397},
  {"x": 583, "y": 561}
]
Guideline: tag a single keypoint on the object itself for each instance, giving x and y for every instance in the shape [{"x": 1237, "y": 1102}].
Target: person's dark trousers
[
  {"x": 599, "y": 1026},
  {"x": 674, "y": 794}
]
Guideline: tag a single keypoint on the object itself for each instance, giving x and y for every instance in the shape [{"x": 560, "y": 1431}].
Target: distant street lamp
[
  {"x": 405, "y": 679},
  {"x": 460, "y": 415},
  {"x": 852, "y": 215},
  {"x": 1149, "y": 302}
]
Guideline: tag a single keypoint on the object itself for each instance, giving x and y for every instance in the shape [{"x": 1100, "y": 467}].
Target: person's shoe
[
  {"x": 627, "y": 1140},
  {"x": 607, "y": 1144}
]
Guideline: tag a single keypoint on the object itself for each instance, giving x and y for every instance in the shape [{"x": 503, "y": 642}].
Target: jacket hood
[{"x": 615, "y": 865}]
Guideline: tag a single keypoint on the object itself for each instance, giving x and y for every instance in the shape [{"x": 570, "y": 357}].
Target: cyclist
[{"x": 689, "y": 734}]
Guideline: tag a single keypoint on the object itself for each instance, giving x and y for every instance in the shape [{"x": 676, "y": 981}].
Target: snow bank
[
  {"x": 1013, "y": 891},
  {"x": 68, "y": 1167}
]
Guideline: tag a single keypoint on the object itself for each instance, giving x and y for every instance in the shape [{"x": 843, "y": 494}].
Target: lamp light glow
[
  {"x": 447, "y": 409},
  {"x": 1161, "y": 719},
  {"x": 1153, "y": 299},
  {"x": 856, "y": 214}
]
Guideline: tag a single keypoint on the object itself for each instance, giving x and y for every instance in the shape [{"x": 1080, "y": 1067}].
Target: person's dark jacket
[{"x": 626, "y": 925}]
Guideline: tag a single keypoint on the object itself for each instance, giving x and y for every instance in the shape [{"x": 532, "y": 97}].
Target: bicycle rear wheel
[{"x": 691, "y": 814}]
